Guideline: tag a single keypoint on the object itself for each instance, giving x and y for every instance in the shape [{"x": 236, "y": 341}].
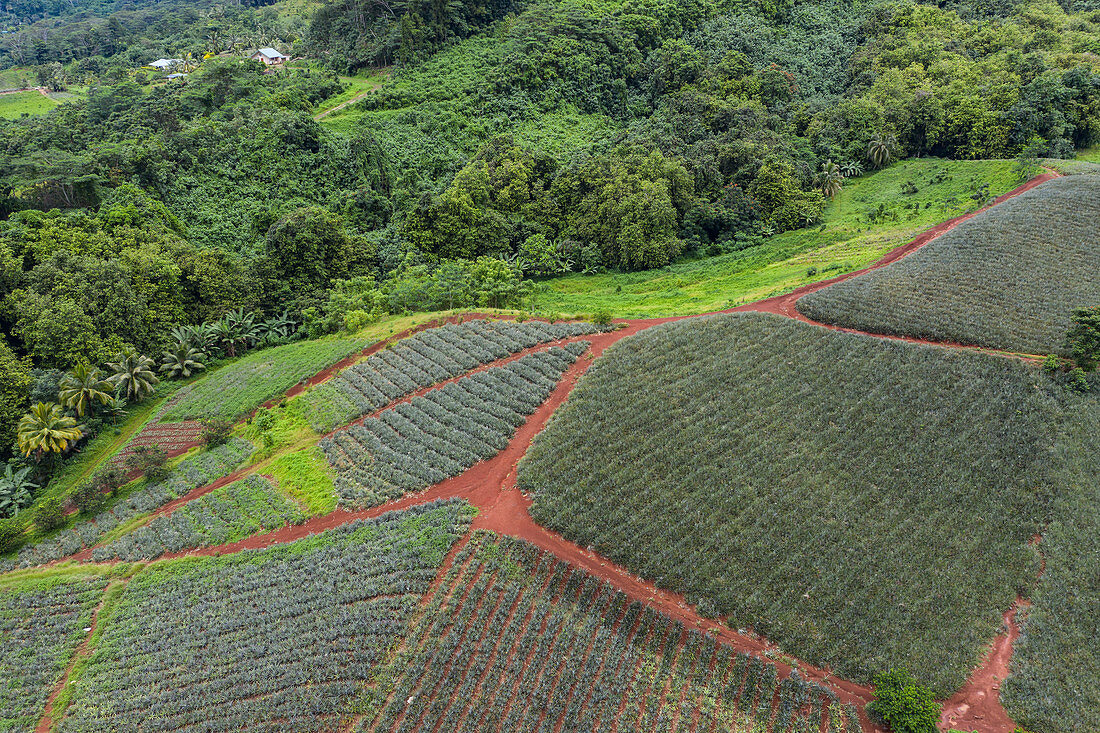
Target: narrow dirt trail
[
  {"x": 490, "y": 486},
  {"x": 46, "y": 722}
]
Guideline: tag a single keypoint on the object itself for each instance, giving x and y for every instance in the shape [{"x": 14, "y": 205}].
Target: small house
[
  {"x": 165, "y": 64},
  {"x": 269, "y": 57}
]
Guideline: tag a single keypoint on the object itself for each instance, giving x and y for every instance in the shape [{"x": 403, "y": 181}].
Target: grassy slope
[
  {"x": 847, "y": 242},
  {"x": 865, "y": 503},
  {"x": 16, "y": 104}
]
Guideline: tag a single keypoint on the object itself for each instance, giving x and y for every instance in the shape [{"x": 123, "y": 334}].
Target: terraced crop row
[
  {"x": 445, "y": 432},
  {"x": 514, "y": 640},
  {"x": 421, "y": 360},
  {"x": 191, "y": 473},
  {"x": 281, "y": 639},
  {"x": 227, "y": 514},
  {"x": 827, "y": 489},
  {"x": 1009, "y": 278},
  {"x": 41, "y": 625}
]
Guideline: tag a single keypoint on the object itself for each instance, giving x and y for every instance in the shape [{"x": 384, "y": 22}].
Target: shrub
[
  {"x": 49, "y": 515},
  {"x": 903, "y": 705},
  {"x": 88, "y": 497},
  {"x": 1077, "y": 381},
  {"x": 11, "y": 534},
  {"x": 1083, "y": 339},
  {"x": 216, "y": 431},
  {"x": 151, "y": 460},
  {"x": 602, "y": 317}
]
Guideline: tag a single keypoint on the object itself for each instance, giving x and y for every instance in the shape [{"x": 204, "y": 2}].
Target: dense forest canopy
[{"x": 509, "y": 140}]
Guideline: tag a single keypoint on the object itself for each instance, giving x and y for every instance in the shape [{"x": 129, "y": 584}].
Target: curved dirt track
[{"x": 490, "y": 486}]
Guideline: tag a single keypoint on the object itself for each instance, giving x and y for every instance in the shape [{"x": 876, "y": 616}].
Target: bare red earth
[{"x": 977, "y": 706}]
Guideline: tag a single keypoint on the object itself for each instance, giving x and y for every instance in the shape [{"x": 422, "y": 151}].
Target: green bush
[
  {"x": 49, "y": 515},
  {"x": 11, "y": 534},
  {"x": 88, "y": 497},
  {"x": 602, "y": 317},
  {"x": 903, "y": 705},
  {"x": 151, "y": 460},
  {"x": 216, "y": 432}
]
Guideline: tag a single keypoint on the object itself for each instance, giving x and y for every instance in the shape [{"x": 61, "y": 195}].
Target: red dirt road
[{"x": 490, "y": 486}]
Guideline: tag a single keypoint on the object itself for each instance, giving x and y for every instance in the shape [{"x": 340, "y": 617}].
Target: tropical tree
[
  {"x": 15, "y": 490},
  {"x": 851, "y": 169},
  {"x": 829, "y": 178},
  {"x": 46, "y": 429},
  {"x": 276, "y": 327},
  {"x": 881, "y": 149},
  {"x": 133, "y": 375},
  {"x": 186, "y": 335},
  {"x": 182, "y": 361},
  {"x": 82, "y": 387}
]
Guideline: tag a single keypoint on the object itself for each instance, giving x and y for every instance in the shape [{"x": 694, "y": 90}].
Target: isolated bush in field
[
  {"x": 1083, "y": 338},
  {"x": 151, "y": 460},
  {"x": 903, "y": 705},
  {"x": 11, "y": 534},
  {"x": 602, "y": 317},
  {"x": 1077, "y": 380},
  {"x": 88, "y": 497},
  {"x": 48, "y": 514},
  {"x": 216, "y": 431}
]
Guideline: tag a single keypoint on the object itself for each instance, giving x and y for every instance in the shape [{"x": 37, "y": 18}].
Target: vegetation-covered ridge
[
  {"x": 735, "y": 459},
  {"x": 1009, "y": 278},
  {"x": 515, "y": 640}
]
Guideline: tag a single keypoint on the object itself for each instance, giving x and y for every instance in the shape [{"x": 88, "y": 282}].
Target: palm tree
[
  {"x": 276, "y": 327},
  {"x": 851, "y": 169},
  {"x": 829, "y": 179},
  {"x": 133, "y": 375},
  {"x": 881, "y": 149},
  {"x": 46, "y": 429},
  {"x": 82, "y": 387},
  {"x": 182, "y": 361},
  {"x": 186, "y": 335}
]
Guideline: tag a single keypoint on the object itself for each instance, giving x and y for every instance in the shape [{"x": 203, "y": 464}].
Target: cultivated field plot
[
  {"x": 281, "y": 639},
  {"x": 1055, "y": 681},
  {"x": 515, "y": 640},
  {"x": 424, "y": 359},
  {"x": 227, "y": 514},
  {"x": 41, "y": 625},
  {"x": 866, "y": 504},
  {"x": 191, "y": 473},
  {"x": 244, "y": 385},
  {"x": 1009, "y": 278},
  {"x": 445, "y": 432}
]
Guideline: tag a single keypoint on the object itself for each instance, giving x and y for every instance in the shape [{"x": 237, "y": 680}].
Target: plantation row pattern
[
  {"x": 41, "y": 625},
  {"x": 227, "y": 514},
  {"x": 424, "y": 359},
  {"x": 281, "y": 639},
  {"x": 824, "y": 488},
  {"x": 1054, "y": 684},
  {"x": 191, "y": 473},
  {"x": 1009, "y": 278},
  {"x": 445, "y": 432},
  {"x": 244, "y": 385},
  {"x": 515, "y": 640}
]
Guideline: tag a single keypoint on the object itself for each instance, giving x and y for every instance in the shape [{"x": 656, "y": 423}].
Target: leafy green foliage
[
  {"x": 733, "y": 458},
  {"x": 1010, "y": 278},
  {"x": 15, "y": 489},
  {"x": 48, "y": 514},
  {"x": 1083, "y": 339},
  {"x": 15, "y": 384},
  {"x": 46, "y": 429},
  {"x": 903, "y": 705}
]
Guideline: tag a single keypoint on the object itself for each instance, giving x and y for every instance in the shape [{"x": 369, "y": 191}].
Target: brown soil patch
[{"x": 977, "y": 706}]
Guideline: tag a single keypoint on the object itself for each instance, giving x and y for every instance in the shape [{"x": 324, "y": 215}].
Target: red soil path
[{"x": 490, "y": 486}]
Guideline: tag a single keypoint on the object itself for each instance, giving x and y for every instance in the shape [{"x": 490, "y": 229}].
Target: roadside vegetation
[{"x": 1010, "y": 278}]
